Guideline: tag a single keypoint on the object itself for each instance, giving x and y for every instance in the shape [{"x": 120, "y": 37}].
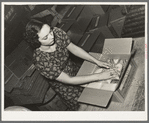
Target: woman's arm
[
  {"x": 84, "y": 55},
  {"x": 77, "y": 80}
]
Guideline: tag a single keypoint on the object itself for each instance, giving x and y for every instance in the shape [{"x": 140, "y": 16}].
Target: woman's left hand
[{"x": 103, "y": 64}]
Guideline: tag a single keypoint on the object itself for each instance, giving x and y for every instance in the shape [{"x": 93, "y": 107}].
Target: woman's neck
[{"x": 48, "y": 48}]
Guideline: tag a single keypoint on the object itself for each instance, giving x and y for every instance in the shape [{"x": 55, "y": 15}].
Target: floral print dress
[{"x": 51, "y": 64}]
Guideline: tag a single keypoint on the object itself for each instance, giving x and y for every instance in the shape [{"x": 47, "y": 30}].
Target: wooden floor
[{"x": 135, "y": 99}]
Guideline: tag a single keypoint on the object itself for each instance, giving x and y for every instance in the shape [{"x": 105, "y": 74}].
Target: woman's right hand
[{"x": 109, "y": 74}]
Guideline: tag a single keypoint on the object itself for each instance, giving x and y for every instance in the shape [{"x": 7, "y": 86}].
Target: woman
[{"x": 51, "y": 58}]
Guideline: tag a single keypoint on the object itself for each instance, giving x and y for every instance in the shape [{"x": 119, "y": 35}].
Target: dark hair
[{"x": 32, "y": 28}]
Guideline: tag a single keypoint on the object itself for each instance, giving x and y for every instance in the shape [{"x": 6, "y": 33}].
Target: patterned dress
[{"x": 51, "y": 64}]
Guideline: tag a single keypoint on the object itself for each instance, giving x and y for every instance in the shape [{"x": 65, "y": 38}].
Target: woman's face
[{"x": 46, "y": 36}]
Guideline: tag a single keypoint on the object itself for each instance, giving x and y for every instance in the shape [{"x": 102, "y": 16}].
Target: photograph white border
[{"x": 77, "y": 115}]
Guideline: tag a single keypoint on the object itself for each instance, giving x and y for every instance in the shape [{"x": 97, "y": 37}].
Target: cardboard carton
[
  {"x": 116, "y": 21},
  {"x": 88, "y": 40},
  {"x": 117, "y": 26},
  {"x": 73, "y": 12},
  {"x": 93, "y": 93},
  {"x": 65, "y": 25}
]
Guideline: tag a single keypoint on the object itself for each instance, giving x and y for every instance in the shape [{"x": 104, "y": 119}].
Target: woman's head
[
  {"x": 38, "y": 33},
  {"x": 46, "y": 36}
]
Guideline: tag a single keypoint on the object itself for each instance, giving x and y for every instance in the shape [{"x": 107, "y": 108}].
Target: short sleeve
[
  {"x": 62, "y": 35},
  {"x": 49, "y": 72}
]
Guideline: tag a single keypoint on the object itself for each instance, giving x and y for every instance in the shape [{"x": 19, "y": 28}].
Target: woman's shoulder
[
  {"x": 58, "y": 30},
  {"x": 37, "y": 52}
]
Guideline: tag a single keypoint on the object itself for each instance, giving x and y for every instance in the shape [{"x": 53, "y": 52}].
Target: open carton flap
[
  {"x": 86, "y": 69},
  {"x": 117, "y": 47},
  {"x": 95, "y": 97}
]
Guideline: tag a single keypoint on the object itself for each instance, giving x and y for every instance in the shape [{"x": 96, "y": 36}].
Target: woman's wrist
[
  {"x": 95, "y": 61},
  {"x": 97, "y": 76}
]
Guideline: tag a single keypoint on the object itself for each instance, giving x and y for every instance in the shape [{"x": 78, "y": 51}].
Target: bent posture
[{"x": 51, "y": 58}]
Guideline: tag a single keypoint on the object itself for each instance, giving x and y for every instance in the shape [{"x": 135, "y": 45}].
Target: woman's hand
[
  {"x": 103, "y": 64},
  {"x": 109, "y": 74}
]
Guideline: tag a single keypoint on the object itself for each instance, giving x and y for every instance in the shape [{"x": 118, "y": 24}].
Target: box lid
[
  {"x": 95, "y": 97},
  {"x": 117, "y": 47}
]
